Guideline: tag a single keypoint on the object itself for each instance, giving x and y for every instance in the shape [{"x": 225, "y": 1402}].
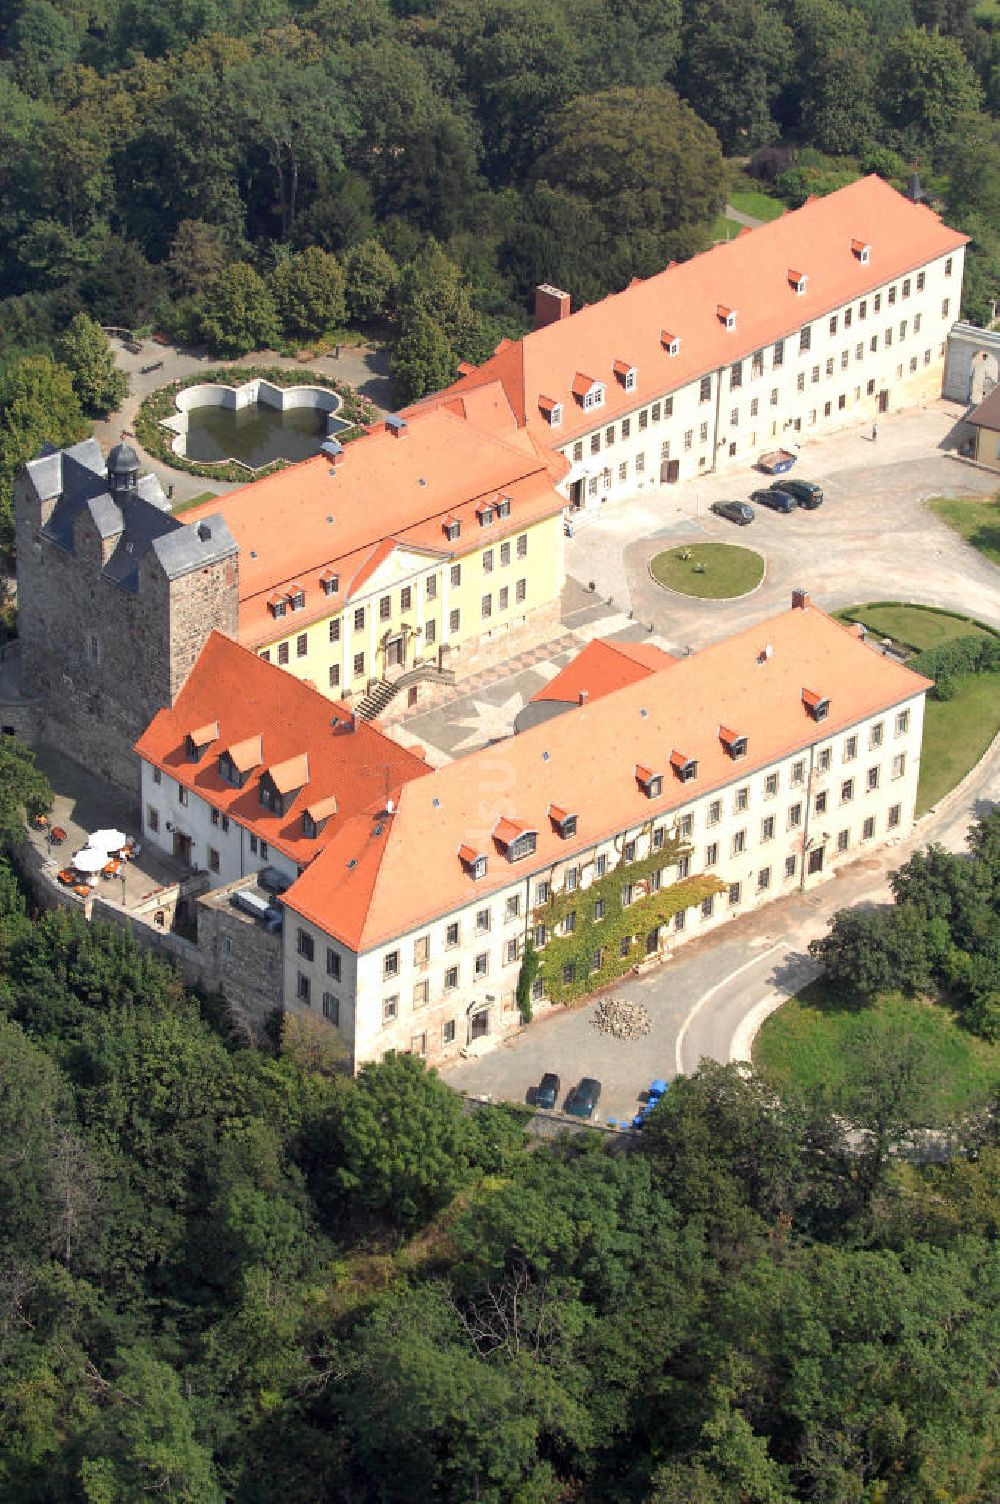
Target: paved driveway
[{"x": 871, "y": 539}]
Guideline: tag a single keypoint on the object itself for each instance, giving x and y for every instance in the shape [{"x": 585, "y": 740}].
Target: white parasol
[
  {"x": 89, "y": 859},
  {"x": 108, "y": 840}
]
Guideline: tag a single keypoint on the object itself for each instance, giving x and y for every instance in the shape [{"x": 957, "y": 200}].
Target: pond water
[{"x": 256, "y": 435}]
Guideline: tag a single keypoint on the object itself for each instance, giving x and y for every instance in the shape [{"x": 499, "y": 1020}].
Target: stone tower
[{"x": 115, "y": 598}]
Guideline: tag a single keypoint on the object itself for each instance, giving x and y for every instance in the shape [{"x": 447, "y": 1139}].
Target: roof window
[
  {"x": 817, "y": 705},
  {"x": 518, "y": 840},
  {"x": 297, "y": 597},
  {"x": 734, "y": 743},
  {"x": 726, "y": 316},
  {"x": 452, "y": 529},
  {"x": 196, "y": 742},
  {"x": 626, "y": 374},
  {"x": 484, "y": 512},
  {"x": 670, "y": 342},
  {"x": 686, "y": 768},
  {"x": 329, "y": 582},
  {"x": 649, "y": 781},
  {"x": 588, "y": 391},
  {"x": 503, "y": 506},
  {"x": 798, "y": 280},
  {"x": 552, "y": 410},
  {"x": 862, "y": 250},
  {"x": 473, "y": 861},
  {"x": 563, "y": 820},
  {"x": 278, "y": 605}
]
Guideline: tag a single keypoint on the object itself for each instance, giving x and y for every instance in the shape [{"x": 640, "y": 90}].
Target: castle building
[
  {"x": 677, "y": 794},
  {"x": 826, "y": 317}
]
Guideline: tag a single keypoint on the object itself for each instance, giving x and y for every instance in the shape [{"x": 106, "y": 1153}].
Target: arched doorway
[{"x": 983, "y": 376}]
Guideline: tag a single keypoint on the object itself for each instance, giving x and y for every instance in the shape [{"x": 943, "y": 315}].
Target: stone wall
[
  {"x": 241, "y": 956},
  {"x": 969, "y": 347}
]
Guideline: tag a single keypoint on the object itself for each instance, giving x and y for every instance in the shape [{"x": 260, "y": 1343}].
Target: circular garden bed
[
  {"x": 157, "y": 440},
  {"x": 708, "y": 571}
]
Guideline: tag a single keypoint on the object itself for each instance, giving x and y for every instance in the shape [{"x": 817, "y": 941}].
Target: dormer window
[
  {"x": 798, "y": 280},
  {"x": 316, "y": 816},
  {"x": 278, "y": 605},
  {"x": 518, "y": 840},
  {"x": 670, "y": 342},
  {"x": 862, "y": 250},
  {"x": 484, "y": 512},
  {"x": 197, "y": 742},
  {"x": 587, "y": 391},
  {"x": 817, "y": 705},
  {"x": 726, "y": 316},
  {"x": 649, "y": 781},
  {"x": 229, "y": 772},
  {"x": 686, "y": 768},
  {"x": 452, "y": 529},
  {"x": 240, "y": 760},
  {"x": 564, "y": 822},
  {"x": 269, "y": 796},
  {"x": 297, "y": 598},
  {"x": 626, "y": 374},
  {"x": 473, "y": 861},
  {"x": 329, "y": 582},
  {"x": 552, "y": 410},
  {"x": 734, "y": 743},
  {"x": 503, "y": 506}
]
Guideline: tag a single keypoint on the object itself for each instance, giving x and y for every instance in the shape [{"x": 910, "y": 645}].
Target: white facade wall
[
  {"x": 162, "y": 807},
  {"x": 838, "y": 381},
  {"x": 820, "y": 802}
]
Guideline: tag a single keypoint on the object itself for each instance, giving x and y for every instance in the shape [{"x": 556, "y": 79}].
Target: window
[
  {"x": 450, "y": 978},
  {"x": 431, "y": 587},
  {"x": 390, "y": 1008},
  {"x": 406, "y": 597},
  {"x": 622, "y": 471},
  {"x": 430, "y": 632},
  {"x": 504, "y": 554},
  {"x": 643, "y": 419},
  {"x": 705, "y": 389},
  {"x": 486, "y": 609},
  {"x": 875, "y": 734},
  {"x": 451, "y": 934},
  {"x": 542, "y": 891},
  {"x": 754, "y": 407},
  {"x": 303, "y": 989},
  {"x": 683, "y": 867},
  {"x": 902, "y": 723},
  {"x": 770, "y": 785},
  {"x": 511, "y": 951},
  {"x": 703, "y": 433},
  {"x": 482, "y": 921},
  {"x": 456, "y": 574},
  {"x": 805, "y": 339},
  {"x": 868, "y": 828},
  {"x": 757, "y": 363},
  {"x": 569, "y": 972},
  {"x": 521, "y": 591},
  {"x": 282, "y": 652},
  {"x": 454, "y": 621},
  {"x": 152, "y": 818},
  {"x": 829, "y": 366},
  {"x": 488, "y": 561},
  {"x": 629, "y": 852},
  {"x": 334, "y": 675},
  {"x": 333, "y": 963},
  {"x": 578, "y": 451},
  {"x": 814, "y": 373},
  {"x": 263, "y": 849},
  {"x": 421, "y": 993},
  {"x": 512, "y": 907},
  {"x": 742, "y": 800},
  {"x": 385, "y": 608},
  {"x": 850, "y": 748},
  {"x": 595, "y": 443},
  {"x": 711, "y": 853},
  {"x": 688, "y": 438},
  {"x": 680, "y": 919},
  {"x": 334, "y": 629},
  {"x": 739, "y": 842},
  {"x": 331, "y": 1009},
  {"x": 481, "y": 967},
  {"x": 448, "y": 1031},
  {"x": 655, "y": 410},
  {"x": 895, "y": 814},
  {"x": 825, "y": 758},
  {"x": 571, "y": 879},
  {"x": 609, "y": 436},
  {"x": 708, "y": 906},
  {"x": 873, "y": 775},
  {"x": 798, "y": 772},
  {"x": 390, "y": 964},
  {"x": 598, "y": 909},
  {"x": 715, "y": 812},
  {"x": 182, "y": 794},
  {"x": 736, "y": 374},
  {"x": 735, "y": 894},
  {"x": 522, "y": 546},
  {"x": 794, "y": 816},
  {"x": 523, "y": 846},
  {"x": 821, "y": 802},
  {"x": 302, "y": 645},
  {"x": 253, "y": 844},
  {"x": 763, "y": 879},
  {"x": 767, "y": 828},
  {"x": 778, "y": 353},
  {"x": 800, "y": 381},
  {"x": 899, "y": 765},
  {"x": 359, "y": 665},
  {"x": 601, "y": 864},
  {"x": 421, "y": 950},
  {"x": 945, "y": 308},
  {"x": 789, "y": 866},
  {"x": 359, "y": 619},
  {"x": 947, "y": 267},
  {"x": 305, "y": 945}
]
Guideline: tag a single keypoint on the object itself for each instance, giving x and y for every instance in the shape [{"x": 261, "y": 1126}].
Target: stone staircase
[{"x": 384, "y": 691}]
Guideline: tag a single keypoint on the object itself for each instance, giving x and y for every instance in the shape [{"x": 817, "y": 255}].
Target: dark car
[
  {"x": 806, "y": 493},
  {"x": 777, "y": 500},
  {"x": 583, "y": 1098},
  {"x": 734, "y": 511},
  {"x": 547, "y": 1091}
]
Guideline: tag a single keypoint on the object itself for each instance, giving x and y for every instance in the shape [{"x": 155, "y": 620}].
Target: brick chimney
[
  {"x": 800, "y": 600},
  {"x": 551, "y": 305}
]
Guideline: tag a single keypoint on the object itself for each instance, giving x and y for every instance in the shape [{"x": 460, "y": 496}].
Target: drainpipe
[
  {"x": 715, "y": 435},
  {"x": 805, "y": 828}
]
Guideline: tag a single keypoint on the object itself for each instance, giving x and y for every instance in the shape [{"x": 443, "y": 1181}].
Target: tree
[
  {"x": 737, "y": 59},
  {"x": 238, "y": 312},
  {"x": 402, "y": 1141},
  {"x": 887, "y": 1092},
  {"x": 308, "y": 291},
  {"x": 423, "y": 360},
  {"x": 834, "y": 76},
  {"x": 85, "y": 351},
  {"x": 371, "y": 277},
  {"x": 38, "y": 406},
  {"x": 868, "y": 951},
  {"x": 926, "y": 85},
  {"x": 197, "y": 255},
  {"x": 644, "y": 164},
  {"x": 24, "y": 790}
]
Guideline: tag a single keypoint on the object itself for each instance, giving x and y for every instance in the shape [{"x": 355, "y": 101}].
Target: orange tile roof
[
  {"x": 202, "y": 735},
  {"x": 750, "y": 274},
  {"x": 588, "y": 759},
  {"x": 271, "y": 722},
  {"x": 603, "y": 666}
]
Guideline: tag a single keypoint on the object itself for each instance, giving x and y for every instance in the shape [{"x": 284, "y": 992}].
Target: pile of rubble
[{"x": 621, "y": 1019}]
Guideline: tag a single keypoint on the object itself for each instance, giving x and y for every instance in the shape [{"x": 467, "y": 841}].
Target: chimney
[
  {"x": 583, "y": 696},
  {"x": 395, "y": 425},
  {"x": 800, "y": 600},
  {"x": 551, "y": 305}
]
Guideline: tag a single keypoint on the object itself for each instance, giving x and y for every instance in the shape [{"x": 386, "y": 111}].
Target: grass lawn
[
  {"x": 805, "y": 1042},
  {"x": 759, "y": 205},
  {"x": 977, "y": 519},
  {"x": 195, "y": 501},
  {"x": 727, "y": 570},
  {"x": 724, "y": 229},
  {"x": 913, "y": 626},
  {"x": 956, "y": 734}
]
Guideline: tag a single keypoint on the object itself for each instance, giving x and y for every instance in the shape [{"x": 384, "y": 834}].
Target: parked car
[
  {"x": 778, "y": 501},
  {"x": 547, "y": 1092},
  {"x": 734, "y": 511},
  {"x": 806, "y": 492},
  {"x": 583, "y": 1099}
]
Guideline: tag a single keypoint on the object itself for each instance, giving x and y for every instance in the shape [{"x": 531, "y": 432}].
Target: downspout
[
  {"x": 805, "y": 828},
  {"x": 715, "y": 435}
]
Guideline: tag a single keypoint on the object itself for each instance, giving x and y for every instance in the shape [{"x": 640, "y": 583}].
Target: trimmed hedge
[
  {"x": 156, "y": 440},
  {"x": 954, "y": 660}
]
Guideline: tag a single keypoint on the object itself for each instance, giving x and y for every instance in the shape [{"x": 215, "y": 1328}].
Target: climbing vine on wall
[{"x": 600, "y": 949}]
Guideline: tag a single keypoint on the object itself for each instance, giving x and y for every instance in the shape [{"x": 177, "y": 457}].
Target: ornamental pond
[{"x": 254, "y": 424}]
